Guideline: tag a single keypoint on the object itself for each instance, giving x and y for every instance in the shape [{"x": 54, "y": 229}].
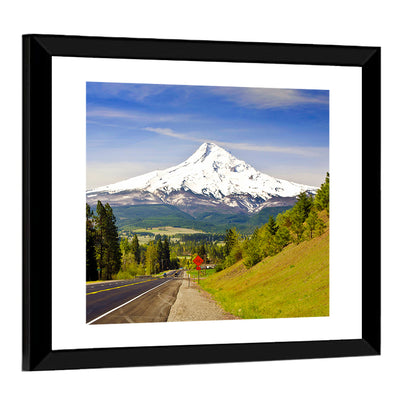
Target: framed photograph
[{"x": 192, "y": 202}]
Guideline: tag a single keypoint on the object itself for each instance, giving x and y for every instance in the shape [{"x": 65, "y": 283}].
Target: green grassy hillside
[{"x": 293, "y": 283}]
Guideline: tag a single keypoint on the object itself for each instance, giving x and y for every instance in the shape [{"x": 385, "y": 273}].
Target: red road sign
[
  {"x": 198, "y": 267},
  {"x": 198, "y": 261}
]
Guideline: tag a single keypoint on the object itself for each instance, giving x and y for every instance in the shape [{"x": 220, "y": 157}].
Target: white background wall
[{"x": 326, "y": 387}]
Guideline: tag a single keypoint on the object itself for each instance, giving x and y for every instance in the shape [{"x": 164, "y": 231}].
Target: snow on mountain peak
[
  {"x": 210, "y": 171},
  {"x": 208, "y": 150}
]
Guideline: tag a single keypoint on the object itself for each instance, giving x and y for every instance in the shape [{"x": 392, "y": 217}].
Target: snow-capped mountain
[{"x": 211, "y": 176}]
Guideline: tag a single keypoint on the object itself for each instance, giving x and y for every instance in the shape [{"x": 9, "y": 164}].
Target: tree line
[
  {"x": 103, "y": 246},
  {"x": 110, "y": 257}
]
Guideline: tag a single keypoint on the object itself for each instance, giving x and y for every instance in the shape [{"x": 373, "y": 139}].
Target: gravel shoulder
[{"x": 194, "y": 304}]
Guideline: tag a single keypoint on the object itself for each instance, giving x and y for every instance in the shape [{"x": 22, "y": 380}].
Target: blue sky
[{"x": 136, "y": 128}]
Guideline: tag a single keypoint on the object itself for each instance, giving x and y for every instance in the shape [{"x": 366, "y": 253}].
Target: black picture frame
[{"x": 38, "y": 51}]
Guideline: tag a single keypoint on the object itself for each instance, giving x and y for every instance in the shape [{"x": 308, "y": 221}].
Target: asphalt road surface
[{"x": 145, "y": 299}]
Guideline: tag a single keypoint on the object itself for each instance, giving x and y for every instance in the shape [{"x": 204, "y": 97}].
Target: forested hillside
[
  {"x": 292, "y": 283},
  {"x": 282, "y": 269},
  {"x": 304, "y": 221}
]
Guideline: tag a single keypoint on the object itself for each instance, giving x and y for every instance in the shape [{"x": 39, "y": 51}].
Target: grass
[
  {"x": 293, "y": 283},
  {"x": 167, "y": 230},
  {"x": 162, "y": 230},
  {"x": 202, "y": 274}
]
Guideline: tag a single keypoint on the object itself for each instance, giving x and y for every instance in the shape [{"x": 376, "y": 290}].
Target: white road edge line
[{"x": 131, "y": 300}]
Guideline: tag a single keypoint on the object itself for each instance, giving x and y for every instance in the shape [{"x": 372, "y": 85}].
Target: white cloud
[
  {"x": 110, "y": 113},
  {"x": 293, "y": 150},
  {"x": 266, "y": 98},
  {"x": 107, "y": 113},
  {"x": 171, "y": 133},
  {"x": 130, "y": 120}
]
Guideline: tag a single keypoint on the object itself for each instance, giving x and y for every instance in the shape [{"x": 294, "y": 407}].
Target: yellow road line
[{"x": 118, "y": 287}]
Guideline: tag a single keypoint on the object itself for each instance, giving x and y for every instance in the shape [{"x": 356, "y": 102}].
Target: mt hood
[{"x": 210, "y": 178}]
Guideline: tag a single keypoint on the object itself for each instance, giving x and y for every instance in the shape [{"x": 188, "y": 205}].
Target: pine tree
[
  {"x": 135, "y": 248},
  {"x": 91, "y": 262},
  {"x": 233, "y": 250},
  {"x": 108, "y": 245},
  {"x": 252, "y": 251},
  {"x": 159, "y": 250},
  {"x": 100, "y": 246},
  {"x": 297, "y": 217},
  {"x": 282, "y": 238},
  {"x": 165, "y": 254},
  {"x": 201, "y": 251},
  {"x": 311, "y": 223},
  {"x": 231, "y": 238},
  {"x": 271, "y": 226},
  {"x": 322, "y": 196},
  {"x": 113, "y": 255},
  {"x": 303, "y": 205}
]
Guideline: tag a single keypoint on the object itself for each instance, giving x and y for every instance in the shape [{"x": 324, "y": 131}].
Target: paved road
[{"x": 145, "y": 299}]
